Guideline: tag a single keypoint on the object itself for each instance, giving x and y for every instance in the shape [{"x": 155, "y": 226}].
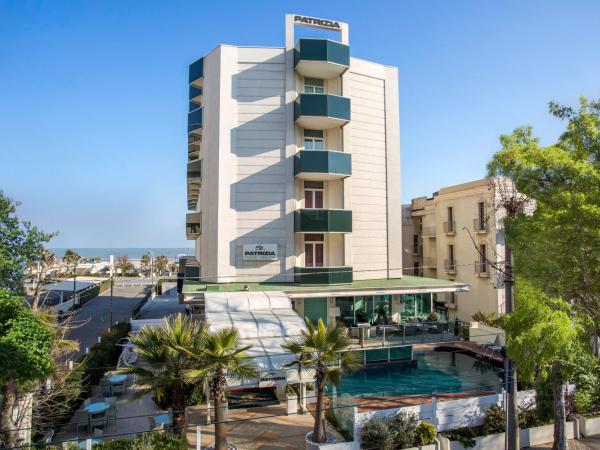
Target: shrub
[
  {"x": 424, "y": 434},
  {"x": 433, "y": 317},
  {"x": 404, "y": 426},
  {"x": 493, "y": 422},
  {"x": 147, "y": 441},
  {"x": 378, "y": 434},
  {"x": 466, "y": 436}
]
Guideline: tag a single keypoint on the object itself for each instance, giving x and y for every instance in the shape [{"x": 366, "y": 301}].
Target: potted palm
[
  {"x": 165, "y": 372},
  {"x": 325, "y": 350},
  {"x": 220, "y": 356}
]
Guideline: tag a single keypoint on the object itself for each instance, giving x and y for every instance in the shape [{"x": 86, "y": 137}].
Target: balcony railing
[
  {"x": 323, "y": 221},
  {"x": 480, "y": 225},
  {"x": 450, "y": 265},
  {"x": 195, "y": 121},
  {"x": 321, "y": 58},
  {"x": 322, "y": 165},
  {"x": 197, "y": 72},
  {"x": 450, "y": 227},
  {"x": 321, "y": 111},
  {"x": 450, "y": 299},
  {"x": 482, "y": 268},
  {"x": 323, "y": 275},
  {"x": 193, "y": 225}
]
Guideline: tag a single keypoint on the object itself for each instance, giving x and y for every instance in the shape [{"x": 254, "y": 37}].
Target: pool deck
[{"x": 495, "y": 357}]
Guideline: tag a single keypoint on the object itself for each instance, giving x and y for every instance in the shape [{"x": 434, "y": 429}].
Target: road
[{"x": 93, "y": 317}]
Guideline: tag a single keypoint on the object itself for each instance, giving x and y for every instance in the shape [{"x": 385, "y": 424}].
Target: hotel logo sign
[
  {"x": 317, "y": 23},
  {"x": 272, "y": 378},
  {"x": 260, "y": 252}
]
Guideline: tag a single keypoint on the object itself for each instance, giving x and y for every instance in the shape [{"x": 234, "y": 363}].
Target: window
[
  {"x": 482, "y": 258},
  {"x": 481, "y": 215},
  {"x": 313, "y": 250},
  {"x": 415, "y": 244},
  {"x": 314, "y": 86},
  {"x": 417, "y": 268},
  {"x": 313, "y": 140},
  {"x": 450, "y": 218},
  {"x": 313, "y": 194}
]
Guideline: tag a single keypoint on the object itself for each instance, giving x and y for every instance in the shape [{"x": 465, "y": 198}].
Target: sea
[{"x": 132, "y": 253}]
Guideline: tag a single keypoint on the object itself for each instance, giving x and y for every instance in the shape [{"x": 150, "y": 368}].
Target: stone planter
[
  {"x": 310, "y": 445},
  {"x": 589, "y": 426},
  {"x": 292, "y": 404}
]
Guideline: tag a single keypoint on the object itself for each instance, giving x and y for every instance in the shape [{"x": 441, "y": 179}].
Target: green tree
[
  {"x": 161, "y": 264},
  {"x": 124, "y": 265},
  {"x": 221, "y": 354},
  {"x": 26, "y": 342},
  {"x": 166, "y": 351},
  {"x": 20, "y": 244},
  {"x": 543, "y": 340},
  {"x": 145, "y": 264},
  {"x": 324, "y": 349},
  {"x": 557, "y": 245},
  {"x": 71, "y": 258}
]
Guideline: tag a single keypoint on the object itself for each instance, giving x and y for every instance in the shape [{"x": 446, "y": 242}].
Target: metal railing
[
  {"x": 480, "y": 225},
  {"x": 481, "y": 267},
  {"x": 450, "y": 265},
  {"x": 417, "y": 332},
  {"x": 450, "y": 227}
]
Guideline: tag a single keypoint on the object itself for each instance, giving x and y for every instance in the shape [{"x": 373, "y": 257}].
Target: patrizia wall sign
[
  {"x": 319, "y": 23},
  {"x": 260, "y": 252}
]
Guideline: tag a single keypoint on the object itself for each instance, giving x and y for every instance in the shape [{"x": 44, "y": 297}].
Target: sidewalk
[{"x": 589, "y": 443}]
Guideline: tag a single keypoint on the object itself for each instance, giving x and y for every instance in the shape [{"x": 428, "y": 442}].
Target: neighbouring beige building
[{"x": 457, "y": 235}]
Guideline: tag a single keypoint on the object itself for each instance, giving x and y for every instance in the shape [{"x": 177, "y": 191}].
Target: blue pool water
[{"x": 434, "y": 372}]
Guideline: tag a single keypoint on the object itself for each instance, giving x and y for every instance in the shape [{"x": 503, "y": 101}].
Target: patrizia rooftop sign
[{"x": 317, "y": 23}]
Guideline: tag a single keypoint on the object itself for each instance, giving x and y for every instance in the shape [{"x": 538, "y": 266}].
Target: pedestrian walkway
[{"x": 589, "y": 443}]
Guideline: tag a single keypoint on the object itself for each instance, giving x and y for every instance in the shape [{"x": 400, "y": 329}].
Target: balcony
[
  {"x": 323, "y": 275},
  {"x": 323, "y": 221},
  {"x": 195, "y": 95},
  {"x": 430, "y": 262},
  {"x": 321, "y": 58},
  {"x": 450, "y": 300},
  {"x": 194, "y": 143},
  {"x": 428, "y": 231},
  {"x": 450, "y": 228},
  {"x": 482, "y": 268},
  {"x": 322, "y": 165},
  {"x": 194, "y": 169},
  {"x": 450, "y": 265},
  {"x": 197, "y": 73},
  {"x": 480, "y": 225},
  {"x": 321, "y": 111},
  {"x": 193, "y": 225},
  {"x": 195, "y": 121}
]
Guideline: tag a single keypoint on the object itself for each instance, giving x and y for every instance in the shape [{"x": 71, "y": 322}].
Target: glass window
[
  {"x": 313, "y": 194},
  {"x": 346, "y": 306},
  {"x": 314, "y": 86},
  {"x": 313, "y": 250},
  {"x": 313, "y": 140}
]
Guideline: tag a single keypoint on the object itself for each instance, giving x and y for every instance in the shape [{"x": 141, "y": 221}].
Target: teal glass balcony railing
[
  {"x": 321, "y": 58},
  {"x": 193, "y": 225},
  {"x": 196, "y": 71},
  {"x": 321, "y": 111},
  {"x": 195, "y": 121},
  {"x": 194, "y": 169},
  {"x": 323, "y": 221},
  {"x": 322, "y": 165},
  {"x": 323, "y": 275}
]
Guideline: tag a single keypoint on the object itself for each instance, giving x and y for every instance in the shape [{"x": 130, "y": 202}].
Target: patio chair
[
  {"x": 154, "y": 426},
  {"x": 112, "y": 409},
  {"x": 87, "y": 402},
  {"x": 98, "y": 420},
  {"x": 117, "y": 389},
  {"x": 105, "y": 386}
]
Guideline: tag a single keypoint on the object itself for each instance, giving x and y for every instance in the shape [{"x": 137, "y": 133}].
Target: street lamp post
[{"x": 112, "y": 259}]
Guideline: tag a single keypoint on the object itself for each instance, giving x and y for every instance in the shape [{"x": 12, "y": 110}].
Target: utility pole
[
  {"x": 512, "y": 413},
  {"x": 74, "y": 283}
]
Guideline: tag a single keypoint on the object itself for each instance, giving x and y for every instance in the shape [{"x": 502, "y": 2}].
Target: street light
[{"x": 112, "y": 262}]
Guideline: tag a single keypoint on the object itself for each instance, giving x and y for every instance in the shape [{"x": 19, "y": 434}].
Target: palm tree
[
  {"x": 46, "y": 260},
  {"x": 326, "y": 350},
  {"x": 71, "y": 257},
  {"x": 145, "y": 264},
  {"x": 166, "y": 372},
  {"x": 161, "y": 263},
  {"x": 124, "y": 264},
  {"x": 221, "y": 355}
]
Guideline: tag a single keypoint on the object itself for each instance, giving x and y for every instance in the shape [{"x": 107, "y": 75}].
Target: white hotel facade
[{"x": 294, "y": 179}]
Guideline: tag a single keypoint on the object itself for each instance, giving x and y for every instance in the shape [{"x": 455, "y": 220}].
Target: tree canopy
[
  {"x": 557, "y": 246},
  {"x": 20, "y": 244}
]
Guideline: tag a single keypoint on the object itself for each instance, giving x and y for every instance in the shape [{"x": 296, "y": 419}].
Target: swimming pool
[{"x": 433, "y": 372}]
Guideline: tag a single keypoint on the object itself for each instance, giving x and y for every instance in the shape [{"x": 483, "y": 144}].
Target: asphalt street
[{"x": 94, "y": 317}]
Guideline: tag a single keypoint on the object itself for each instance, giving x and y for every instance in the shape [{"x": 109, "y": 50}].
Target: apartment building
[
  {"x": 457, "y": 235},
  {"x": 294, "y": 178}
]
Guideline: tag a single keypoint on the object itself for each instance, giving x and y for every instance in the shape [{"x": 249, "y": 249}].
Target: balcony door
[
  {"x": 313, "y": 194},
  {"x": 314, "y": 250}
]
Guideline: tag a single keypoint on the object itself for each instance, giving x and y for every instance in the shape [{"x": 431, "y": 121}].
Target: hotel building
[
  {"x": 457, "y": 235},
  {"x": 294, "y": 181}
]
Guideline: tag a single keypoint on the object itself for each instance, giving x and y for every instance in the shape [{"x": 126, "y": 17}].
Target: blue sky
[{"x": 93, "y": 95}]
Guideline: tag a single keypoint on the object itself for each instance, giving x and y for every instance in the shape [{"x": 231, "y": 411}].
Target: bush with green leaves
[
  {"x": 493, "y": 422},
  {"x": 147, "y": 441},
  {"x": 378, "y": 434},
  {"x": 425, "y": 434},
  {"x": 404, "y": 426},
  {"x": 465, "y": 435}
]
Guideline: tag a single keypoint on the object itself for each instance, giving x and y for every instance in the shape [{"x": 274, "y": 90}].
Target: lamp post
[{"x": 112, "y": 262}]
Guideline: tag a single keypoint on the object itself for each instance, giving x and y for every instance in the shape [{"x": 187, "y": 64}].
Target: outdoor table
[
  {"x": 83, "y": 444},
  {"x": 166, "y": 419},
  {"x": 116, "y": 379},
  {"x": 96, "y": 408}
]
